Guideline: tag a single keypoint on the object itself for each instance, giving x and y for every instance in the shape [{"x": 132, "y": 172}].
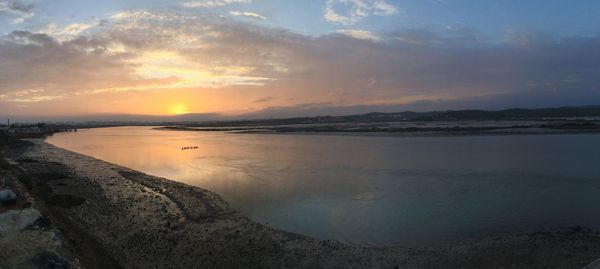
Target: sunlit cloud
[
  {"x": 170, "y": 64},
  {"x": 349, "y": 12},
  {"x": 28, "y": 96},
  {"x": 66, "y": 32},
  {"x": 247, "y": 14},
  {"x": 212, "y": 3},
  {"x": 38, "y": 98},
  {"x": 359, "y": 34}
]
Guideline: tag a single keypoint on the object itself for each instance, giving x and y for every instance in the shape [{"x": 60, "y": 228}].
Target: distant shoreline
[
  {"x": 142, "y": 221},
  {"x": 407, "y": 129}
]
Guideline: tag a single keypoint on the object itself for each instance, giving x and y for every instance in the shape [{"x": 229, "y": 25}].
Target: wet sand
[{"x": 115, "y": 217}]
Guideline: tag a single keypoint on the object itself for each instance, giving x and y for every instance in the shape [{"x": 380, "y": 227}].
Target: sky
[{"x": 67, "y": 59}]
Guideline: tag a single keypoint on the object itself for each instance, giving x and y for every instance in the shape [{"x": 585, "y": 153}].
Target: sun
[{"x": 178, "y": 109}]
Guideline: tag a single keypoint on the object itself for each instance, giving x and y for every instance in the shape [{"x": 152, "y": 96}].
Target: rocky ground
[
  {"x": 109, "y": 216},
  {"x": 28, "y": 239}
]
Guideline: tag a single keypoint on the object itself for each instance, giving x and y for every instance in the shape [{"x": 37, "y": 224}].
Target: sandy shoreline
[{"x": 135, "y": 220}]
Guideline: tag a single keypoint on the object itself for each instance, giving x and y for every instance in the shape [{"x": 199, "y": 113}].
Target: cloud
[
  {"x": 66, "y": 32},
  {"x": 212, "y": 3},
  {"x": 35, "y": 64},
  {"x": 349, "y": 12},
  {"x": 264, "y": 99},
  {"x": 16, "y": 10},
  {"x": 359, "y": 34},
  {"x": 247, "y": 14},
  {"x": 135, "y": 51},
  {"x": 228, "y": 66}
]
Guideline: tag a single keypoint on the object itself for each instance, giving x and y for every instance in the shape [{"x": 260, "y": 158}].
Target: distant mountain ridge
[
  {"x": 449, "y": 115},
  {"x": 215, "y": 119},
  {"x": 510, "y": 114}
]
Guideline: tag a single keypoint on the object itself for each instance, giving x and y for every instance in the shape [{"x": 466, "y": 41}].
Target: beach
[{"x": 114, "y": 217}]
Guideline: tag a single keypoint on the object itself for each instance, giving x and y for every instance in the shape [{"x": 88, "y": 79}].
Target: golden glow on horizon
[{"x": 178, "y": 109}]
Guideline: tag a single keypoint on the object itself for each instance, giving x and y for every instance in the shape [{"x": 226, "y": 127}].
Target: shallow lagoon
[{"x": 412, "y": 191}]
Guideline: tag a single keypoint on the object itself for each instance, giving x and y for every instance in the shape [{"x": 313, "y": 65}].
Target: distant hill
[
  {"x": 216, "y": 120},
  {"x": 511, "y": 114},
  {"x": 450, "y": 115}
]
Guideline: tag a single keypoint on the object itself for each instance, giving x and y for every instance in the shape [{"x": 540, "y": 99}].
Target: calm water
[{"x": 374, "y": 190}]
